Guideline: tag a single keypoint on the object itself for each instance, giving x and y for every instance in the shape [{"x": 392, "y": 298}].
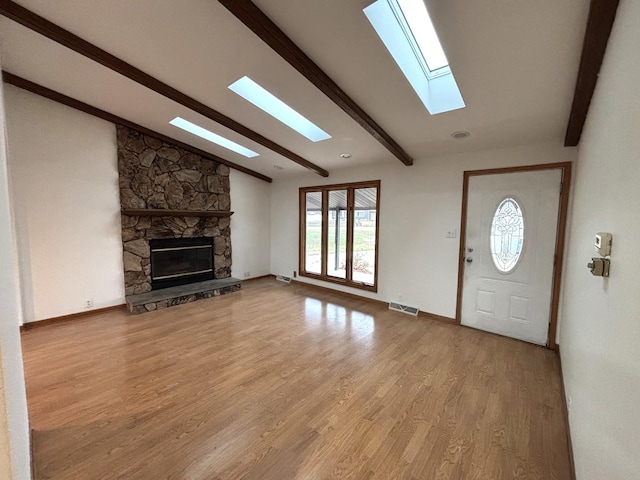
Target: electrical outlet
[
  {"x": 452, "y": 233},
  {"x": 88, "y": 303},
  {"x": 247, "y": 274},
  {"x": 399, "y": 297}
]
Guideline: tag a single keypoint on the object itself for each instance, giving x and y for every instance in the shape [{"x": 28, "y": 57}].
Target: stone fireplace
[{"x": 167, "y": 192}]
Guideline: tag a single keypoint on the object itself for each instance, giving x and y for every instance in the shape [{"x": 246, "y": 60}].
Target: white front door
[{"x": 512, "y": 222}]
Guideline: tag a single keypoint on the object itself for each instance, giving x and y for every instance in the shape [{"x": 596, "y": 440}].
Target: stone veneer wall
[{"x": 158, "y": 175}]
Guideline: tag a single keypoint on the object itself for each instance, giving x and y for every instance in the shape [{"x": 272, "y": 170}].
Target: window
[
  {"x": 339, "y": 233},
  {"x": 405, "y": 28},
  {"x": 269, "y": 103},
  {"x": 212, "y": 137},
  {"x": 507, "y": 235}
]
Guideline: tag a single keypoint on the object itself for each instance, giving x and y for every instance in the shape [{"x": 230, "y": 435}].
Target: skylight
[
  {"x": 417, "y": 16},
  {"x": 212, "y": 137},
  {"x": 266, "y": 101},
  {"x": 405, "y": 27}
]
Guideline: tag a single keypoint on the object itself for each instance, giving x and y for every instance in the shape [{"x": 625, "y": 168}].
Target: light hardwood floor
[{"x": 286, "y": 382}]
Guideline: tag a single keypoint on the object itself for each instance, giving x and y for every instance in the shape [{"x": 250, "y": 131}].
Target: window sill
[{"x": 340, "y": 281}]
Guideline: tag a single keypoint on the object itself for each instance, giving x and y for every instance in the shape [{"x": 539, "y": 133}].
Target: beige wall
[
  {"x": 63, "y": 166},
  {"x": 5, "y": 442},
  {"x": 14, "y": 423},
  {"x": 418, "y": 205},
  {"x": 250, "y": 247},
  {"x": 600, "y": 330}
]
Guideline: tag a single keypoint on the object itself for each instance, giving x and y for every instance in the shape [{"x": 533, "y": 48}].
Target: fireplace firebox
[{"x": 178, "y": 261}]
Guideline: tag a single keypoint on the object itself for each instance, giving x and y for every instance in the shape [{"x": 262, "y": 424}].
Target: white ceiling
[{"x": 515, "y": 62}]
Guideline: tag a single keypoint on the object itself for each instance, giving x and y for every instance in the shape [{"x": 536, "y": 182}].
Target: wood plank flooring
[{"x": 286, "y": 382}]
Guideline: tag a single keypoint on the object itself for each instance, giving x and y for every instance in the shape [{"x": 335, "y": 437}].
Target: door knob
[{"x": 469, "y": 259}]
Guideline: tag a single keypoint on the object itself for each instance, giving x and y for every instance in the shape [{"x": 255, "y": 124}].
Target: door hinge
[{"x": 561, "y": 186}]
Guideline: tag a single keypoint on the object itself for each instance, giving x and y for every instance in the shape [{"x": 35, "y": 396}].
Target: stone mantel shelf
[{"x": 158, "y": 212}]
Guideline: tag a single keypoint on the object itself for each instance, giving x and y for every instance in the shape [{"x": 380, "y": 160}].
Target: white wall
[
  {"x": 418, "y": 205},
  {"x": 14, "y": 422},
  {"x": 250, "y": 238},
  {"x": 63, "y": 166},
  {"x": 601, "y": 318}
]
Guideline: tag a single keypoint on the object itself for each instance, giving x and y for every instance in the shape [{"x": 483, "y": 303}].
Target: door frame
[{"x": 565, "y": 187}]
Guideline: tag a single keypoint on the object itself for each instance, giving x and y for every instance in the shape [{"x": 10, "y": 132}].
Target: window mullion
[
  {"x": 350, "y": 221},
  {"x": 325, "y": 232},
  {"x": 302, "y": 243}
]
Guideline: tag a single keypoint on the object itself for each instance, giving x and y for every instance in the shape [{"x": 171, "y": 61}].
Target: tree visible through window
[{"x": 339, "y": 233}]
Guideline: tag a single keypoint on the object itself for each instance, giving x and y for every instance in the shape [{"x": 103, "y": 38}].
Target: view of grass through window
[{"x": 363, "y": 239}]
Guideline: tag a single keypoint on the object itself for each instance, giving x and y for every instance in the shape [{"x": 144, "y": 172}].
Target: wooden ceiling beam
[
  {"x": 254, "y": 19},
  {"x": 45, "y": 92},
  {"x": 52, "y": 31},
  {"x": 602, "y": 14}
]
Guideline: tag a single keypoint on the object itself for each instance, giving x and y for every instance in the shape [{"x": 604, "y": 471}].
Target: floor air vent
[
  {"x": 284, "y": 279},
  {"x": 399, "y": 307}
]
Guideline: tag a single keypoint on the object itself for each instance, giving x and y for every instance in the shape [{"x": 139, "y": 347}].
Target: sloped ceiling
[{"x": 515, "y": 63}]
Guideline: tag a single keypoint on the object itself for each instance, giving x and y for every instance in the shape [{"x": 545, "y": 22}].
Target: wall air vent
[
  {"x": 399, "y": 307},
  {"x": 284, "y": 279}
]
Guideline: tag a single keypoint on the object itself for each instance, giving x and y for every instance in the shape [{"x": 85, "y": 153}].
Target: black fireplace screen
[{"x": 177, "y": 261}]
